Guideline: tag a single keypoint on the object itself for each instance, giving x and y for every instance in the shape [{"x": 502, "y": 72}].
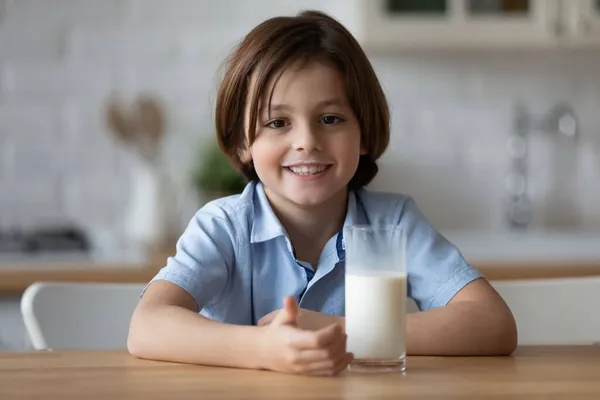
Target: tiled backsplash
[{"x": 452, "y": 112}]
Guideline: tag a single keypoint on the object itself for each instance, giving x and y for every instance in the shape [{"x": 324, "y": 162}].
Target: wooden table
[{"x": 531, "y": 373}]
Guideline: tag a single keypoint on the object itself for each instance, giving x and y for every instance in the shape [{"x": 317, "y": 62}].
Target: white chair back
[
  {"x": 562, "y": 311},
  {"x": 96, "y": 315},
  {"x": 61, "y": 316}
]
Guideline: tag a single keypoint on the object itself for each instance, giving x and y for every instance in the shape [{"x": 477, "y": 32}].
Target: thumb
[{"x": 289, "y": 312}]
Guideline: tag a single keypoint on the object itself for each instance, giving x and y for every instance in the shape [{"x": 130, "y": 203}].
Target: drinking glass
[{"x": 376, "y": 297}]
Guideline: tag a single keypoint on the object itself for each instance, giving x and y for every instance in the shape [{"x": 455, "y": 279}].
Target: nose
[{"x": 306, "y": 138}]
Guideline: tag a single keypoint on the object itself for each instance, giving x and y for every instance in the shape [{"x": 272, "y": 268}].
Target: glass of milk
[{"x": 376, "y": 297}]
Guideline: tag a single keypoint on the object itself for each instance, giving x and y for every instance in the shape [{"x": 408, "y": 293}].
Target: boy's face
[{"x": 308, "y": 147}]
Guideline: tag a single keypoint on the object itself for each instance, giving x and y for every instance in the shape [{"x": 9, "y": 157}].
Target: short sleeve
[
  {"x": 204, "y": 256},
  {"x": 435, "y": 267}
]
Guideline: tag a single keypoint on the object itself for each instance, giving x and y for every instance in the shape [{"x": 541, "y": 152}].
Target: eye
[
  {"x": 276, "y": 124},
  {"x": 331, "y": 120}
]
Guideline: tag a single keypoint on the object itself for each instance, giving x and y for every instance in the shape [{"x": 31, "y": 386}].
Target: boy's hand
[
  {"x": 286, "y": 348},
  {"x": 306, "y": 319}
]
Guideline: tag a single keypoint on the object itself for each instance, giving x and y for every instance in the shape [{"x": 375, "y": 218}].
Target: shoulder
[
  {"x": 384, "y": 207},
  {"x": 380, "y": 198},
  {"x": 232, "y": 214}
]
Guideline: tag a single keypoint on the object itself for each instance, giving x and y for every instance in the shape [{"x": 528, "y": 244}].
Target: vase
[{"x": 150, "y": 217}]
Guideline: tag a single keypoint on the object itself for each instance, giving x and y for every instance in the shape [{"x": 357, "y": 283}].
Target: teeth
[{"x": 306, "y": 170}]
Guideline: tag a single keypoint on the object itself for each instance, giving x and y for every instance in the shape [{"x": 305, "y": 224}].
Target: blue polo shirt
[{"x": 237, "y": 262}]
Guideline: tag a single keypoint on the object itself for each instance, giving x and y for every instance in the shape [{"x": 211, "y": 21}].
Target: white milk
[{"x": 375, "y": 314}]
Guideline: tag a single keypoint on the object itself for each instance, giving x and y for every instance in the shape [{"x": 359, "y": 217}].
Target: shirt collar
[
  {"x": 351, "y": 216},
  {"x": 266, "y": 225}
]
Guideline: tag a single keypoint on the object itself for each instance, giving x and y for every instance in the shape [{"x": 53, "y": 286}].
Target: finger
[
  {"x": 339, "y": 351},
  {"x": 290, "y": 305},
  {"x": 305, "y": 340},
  {"x": 329, "y": 335},
  {"x": 322, "y": 358},
  {"x": 267, "y": 319},
  {"x": 288, "y": 314},
  {"x": 340, "y": 366},
  {"x": 343, "y": 363}
]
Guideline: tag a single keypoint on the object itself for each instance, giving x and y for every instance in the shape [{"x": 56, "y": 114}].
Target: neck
[{"x": 309, "y": 228}]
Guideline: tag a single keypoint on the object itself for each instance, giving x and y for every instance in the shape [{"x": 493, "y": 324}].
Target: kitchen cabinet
[
  {"x": 388, "y": 25},
  {"x": 582, "y": 21},
  {"x": 414, "y": 24}
]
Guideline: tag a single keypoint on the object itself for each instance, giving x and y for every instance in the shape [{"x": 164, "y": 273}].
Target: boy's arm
[
  {"x": 464, "y": 313},
  {"x": 475, "y": 322},
  {"x": 166, "y": 326}
]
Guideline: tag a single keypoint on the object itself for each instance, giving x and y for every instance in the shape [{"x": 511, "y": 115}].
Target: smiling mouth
[{"x": 308, "y": 169}]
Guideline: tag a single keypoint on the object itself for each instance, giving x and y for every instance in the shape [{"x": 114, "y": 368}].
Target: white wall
[{"x": 59, "y": 59}]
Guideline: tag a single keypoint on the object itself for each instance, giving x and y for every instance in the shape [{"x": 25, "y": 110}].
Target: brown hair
[{"x": 276, "y": 44}]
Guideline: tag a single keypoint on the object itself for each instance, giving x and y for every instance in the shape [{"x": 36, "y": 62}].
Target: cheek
[
  {"x": 265, "y": 156},
  {"x": 354, "y": 145}
]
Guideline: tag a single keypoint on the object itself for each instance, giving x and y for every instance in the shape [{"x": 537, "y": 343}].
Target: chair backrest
[
  {"x": 79, "y": 315},
  {"x": 554, "y": 311}
]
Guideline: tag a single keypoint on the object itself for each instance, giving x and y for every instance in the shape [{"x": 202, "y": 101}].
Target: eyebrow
[{"x": 329, "y": 102}]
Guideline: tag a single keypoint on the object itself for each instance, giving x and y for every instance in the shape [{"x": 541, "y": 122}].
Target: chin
[
  {"x": 307, "y": 202},
  {"x": 312, "y": 198}
]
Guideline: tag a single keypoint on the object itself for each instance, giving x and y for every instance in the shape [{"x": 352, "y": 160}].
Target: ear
[
  {"x": 363, "y": 150},
  {"x": 245, "y": 155}
]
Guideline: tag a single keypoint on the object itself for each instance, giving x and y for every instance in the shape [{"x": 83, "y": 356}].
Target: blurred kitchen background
[{"x": 495, "y": 118}]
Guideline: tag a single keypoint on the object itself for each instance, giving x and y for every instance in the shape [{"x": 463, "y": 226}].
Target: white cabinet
[
  {"x": 387, "y": 25},
  {"x": 582, "y": 19}
]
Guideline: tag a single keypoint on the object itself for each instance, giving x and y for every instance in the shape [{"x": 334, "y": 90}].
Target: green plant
[{"x": 214, "y": 174}]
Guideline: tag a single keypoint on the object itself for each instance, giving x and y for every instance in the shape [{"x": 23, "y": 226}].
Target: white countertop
[
  {"x": 474, "y": 245},
  {"x": 135, "y": 257},
  {"x": 527, "y": 246}
]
